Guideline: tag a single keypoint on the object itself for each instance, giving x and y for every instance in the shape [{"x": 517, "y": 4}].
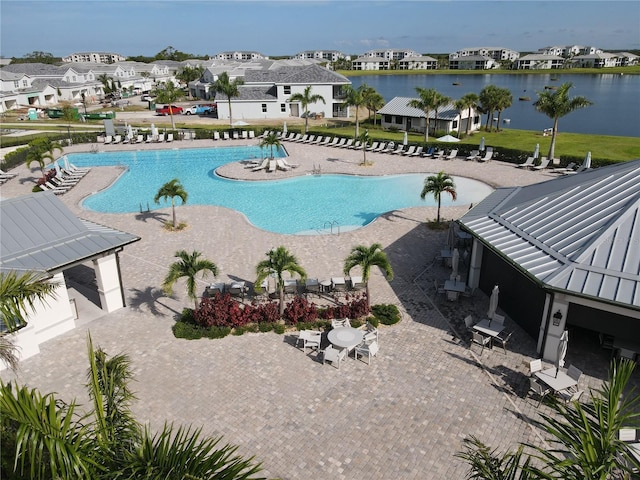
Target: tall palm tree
[
  {"x": 426, "y": 103},
  {"x": 271, "y": 141},
  {"x": 305, "y": 99},
  {"x": 555, "y": 104},
  {"x": 468, "y": 101},
  {"x": 489, "y": 99},
  {"x": 439, "y": 100},
  {"x": 172, "y": 190},
  {"x": 229, "y": 88},
  {"x": 354, "y": 97},
  {"x": 168, "y": 93},
  {"x": 437, "y": 185},
  {"x": 189, "y": 74},
  {"x": 44, "y": 437},
  {"x": 373, "y": 101},
  {"x": 189, "y": 266},
  {"x": 504, "y": 101},
  {"x": 278, "y": 261},
  {"x": 365, "y": 258},
  {"x": 17, "y": 293}
]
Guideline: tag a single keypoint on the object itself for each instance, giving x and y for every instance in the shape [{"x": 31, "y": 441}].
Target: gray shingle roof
[
  {"x": 399, "y": 106},
  {"x": 251, "y": 93},
  {"x": 578, "y": 233},
  {"x": 36, "y": 69},
  {"x": 39, "y": 233},
  {"x": 307, "y": 74}
]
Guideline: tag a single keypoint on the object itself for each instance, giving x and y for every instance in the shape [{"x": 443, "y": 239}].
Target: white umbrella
[
  {"x": 284, "y": 128},
  {"x": 405, "y": 140},
  {"x": 562, "y": 350},
  {"x": 154, "y": 131},
  {"x": 481, "y": 147},
  {"x": 493, "y": 302},
  {"x": 536, "y": 152},
  {"x": 587, "y": 161},
  {"x": 129, "y": 132},
  {"x": 448, "y": 138},
  {"x": 455, "y": 259},
  {"x": 451, "y": 236},
  {"x": 239, "y": 123}
]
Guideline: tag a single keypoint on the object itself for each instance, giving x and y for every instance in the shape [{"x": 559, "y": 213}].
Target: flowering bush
[{"x": 300, "y": 310}]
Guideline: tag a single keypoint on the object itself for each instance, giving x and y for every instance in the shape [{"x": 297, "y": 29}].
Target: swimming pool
[{"x": 302, "y": 205}]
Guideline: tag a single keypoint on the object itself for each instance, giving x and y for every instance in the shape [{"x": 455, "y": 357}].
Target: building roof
[
  {"x": 265, "y": 93},
  {"x": 307, "y": 75},
  {"x": 36, "y": 69},
  {"x": 39, "y": 233},
  {"x": 399, "y": 106},
  {"x": 418, "y": 58},
  {"x": 577, "y": 233}
]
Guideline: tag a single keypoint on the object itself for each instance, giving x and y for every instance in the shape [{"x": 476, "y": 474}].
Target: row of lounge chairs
[
  {"x": 235, "y": 135},
  {"x": 65, "y": 178},
  {"x": 271, "y": 165},
  {"x": 4, "y": 176}
]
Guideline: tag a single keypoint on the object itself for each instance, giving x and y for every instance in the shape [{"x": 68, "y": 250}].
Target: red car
[{"x": 175, "y": 110}]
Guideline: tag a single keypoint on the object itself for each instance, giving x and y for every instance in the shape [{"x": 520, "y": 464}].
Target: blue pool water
[{"x": 302, "y": 205}]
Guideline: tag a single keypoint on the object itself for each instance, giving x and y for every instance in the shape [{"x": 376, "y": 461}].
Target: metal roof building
[{"x": 576, "y": 241}]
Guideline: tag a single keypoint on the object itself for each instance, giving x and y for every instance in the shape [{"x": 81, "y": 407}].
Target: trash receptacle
[
  {"x": 152, "y": 105},
  {"x": 32, "y": 114}
]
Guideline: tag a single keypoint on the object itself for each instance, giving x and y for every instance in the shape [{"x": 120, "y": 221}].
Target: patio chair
[
  {"x": 469, "y": 322},
  {"x": 373, "y": 147},
  {"x": 499, "y": 319},
  {"x": 418, "y": 152},
  {"x": 539, "y": 389},
  {"x": 474, "y": 154},
  {"x": 487, "y": 156},
  {"x": 333, "y": 355},
  {"x": 410, "y": 151},
  {"x": 439, "y": 287},
  {"x": 309, "y": 338},
  {"x": 544, "y": 161},
  {"x": 380, "y": 147},
  {"x": 528, "y": 163},
  {"x": 569, "y": 396},
  {"x": 480, "y": 339},
  {"x": 453, "y": 154},
  {"x": 216, "y": 135},
  {"x": 502, "y": 338},
  {"x": 535, "y": 366},
  {"x": 340, "y": 322},
  {"x": 575, "y": 373},
  {"x": 398, "y": 150},
  {"x": 370, "y": 350},
  {"x": 225, "y": 136}
]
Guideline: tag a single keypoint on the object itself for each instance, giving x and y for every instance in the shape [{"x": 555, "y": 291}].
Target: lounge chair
[
  {"x": 429, "y": 152},
  {"x": 280, "y": 164},
  {"x": 117, "y": 139},
  {"x": 438, "y": 154},
  {"x": 409, "y": 151},
  {"x": 160, "y": 138},
  {"x": 544, "y": 161},
  {"x": 60, "y": 188},
  {"x": 7, "y": 175},
  {"x": 348, "y": 143},
  {"x": 216, "y": 135},
  {"x": 245, "y": 135},
  {"x": 356, "y": 146},
  {"x": 373, "y": 147},
  {"x": 170, "y": 137},
  {"x": 140, "y": 138},
  {"x": 562, "y": 170},
  {"x": 290, "y": 165},
  {"x": 272, "y": 166},
  {"x": 127, "y": 139},
  {"x": 47, "y": 187},
  {"x": 149, "y": 138},
  {"x": 108, "y": 139},
  {"x": 262, "y": 166},
  {"x": 297, "y": 138},
  {"x": 398, "y": 150},
  {"x": 487, "y": 156},
  {"x": 310, "y": 139},
  {"x": 252, "y": 134},
  {"x": 341, "y": 143},
  {"x": 333, "y": 142},
  {"x": 418, "y": 152},
  {"x": 581, "y": 168},
  {"x": 453, "y": 154},
  {"x": 319, "y": 139},
  {"x": 304, "y": 139},
  {"x": 528, "y": 163},
  {"x": 225, "y": 136},
  {"x": 326, "y": 141},
  {"x": 473, "y": 155},
  {"x": 236, "y": 135},
  {"x": 391, "y": 146},
  {"x": 72, "y": 168}
]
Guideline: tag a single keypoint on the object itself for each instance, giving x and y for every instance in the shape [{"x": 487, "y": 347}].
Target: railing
[{"x": 331, "y": 224}]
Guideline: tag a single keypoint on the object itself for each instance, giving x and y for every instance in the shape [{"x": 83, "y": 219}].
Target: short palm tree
[
  {"x": 365, "y": 258},
  {"x": 305, "y": 99},
  {"x": 278, "y": 261},
  {"x": 189, "y": 266},
  {"x": 489, "y": 98},
  {"x": 440, "y": 100},
  {"x": 168, "y": 93},
  {"x": 468, "y": 101},
  {"x": 426, "y": 103},
  {"x": 229, "y": 88},
  {"x": 271, "y": 140},
  {"x": 364, "y": 143},
  {"x": 437, "y": 185},
  {"x": 44, "y": 437},
  {"x": 42, "y": 149},
  {"x": 172, "y": 190},
  {"x": 504, "y": 101},
  {"x": 373, "y": 101},
  {"x": 555, "y": 104},
  {"x": 355, "y": 97}
]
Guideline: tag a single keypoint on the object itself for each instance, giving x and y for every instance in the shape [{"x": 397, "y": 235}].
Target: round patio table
[{"x": 345, "y": 337}]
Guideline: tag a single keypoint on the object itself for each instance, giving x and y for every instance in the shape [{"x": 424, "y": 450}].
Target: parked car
[
  {"x": 200, "y": 109},
  {"x": 146, "y": 97},
  {"x": 175, "y": 109}
]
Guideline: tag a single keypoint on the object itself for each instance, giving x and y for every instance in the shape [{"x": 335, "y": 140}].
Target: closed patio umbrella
[
  {"x": 451, "y": 236},
  {"x": 493, "y": 302},
  {"x": 284, "y": 128},
  {"x": 562, "y": 350},
  {"x": 455, "y": 259},
  {"x": 405, "y": 140},
  {"x": 536, "y": 152},
  {"x": 481, "y": 147},
  {"x": 587, "y": 161}
]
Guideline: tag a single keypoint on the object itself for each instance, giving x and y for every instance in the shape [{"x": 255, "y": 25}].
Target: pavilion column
[
  {"x": 108, "y": 280},
  {"x": 475, "y": 264}
]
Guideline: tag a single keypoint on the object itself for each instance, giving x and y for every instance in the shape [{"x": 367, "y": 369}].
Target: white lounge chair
[
  {"x": 216, "y": 135},
  {"x": 160, "y": 138},
  {"x": 418, "y": 152},
  {"x": 487, "y": 156},
  {"x": 245, "y": 135},
  {"x": 280, "y": 164},
  {"x": 544, "y": 162},
  {"x": 47, "y": 187},
  {"x": 290, "y": 165},
  {"x": 438, "y": 154},
  {"x": 528, "y": 163},
  {"x": 398, "y": 150},
  {"x": 170, "y": 137},
  {"x": 140, "y": 138},
  {"x": 348, "y": 143},
  {"x": 380, "y": 147},
  {"x": 236, "y": 135},
  {"x": 150, "y": 138},
  {"x": 453, "y": 154},
  {"x": 340, "y": 143},
  {"x": 252, "y": 134},
  {"x": 108, "y": 139},
  {"x": 117, "y": 139},
  {"x": 272, "y": 166},
  {"x": 409, "y": 151},
  {"x": 225, "y": 136},
  {"x": 262, "y": 166},
  {"x": 372, "y": 147},
  {"x": 333, "y": 142},
  {"x": 326, "y": 141},
  {"x": 562, "y": 170},
  {"x": 473, "y": 155}
]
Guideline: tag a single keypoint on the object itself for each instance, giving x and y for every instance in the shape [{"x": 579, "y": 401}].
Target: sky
[{"x": 276, "y": 28}]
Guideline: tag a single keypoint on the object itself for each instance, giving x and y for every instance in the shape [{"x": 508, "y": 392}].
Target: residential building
[
  {"x": 568, "y": 51},
  {"x": 628, "y": 59},
  {"x": 321, "y": 55},
  {"x": 398, "y": 115},
  {"x": 538, "y": 61},
  {"x": 473, "y": 62},
  {"x": 94, "y": 57},
  {"x": 420, "y": 62},
  {"x": 40, "y": 234},
  {"x": 391, "y": 54},
  {"x": 240, "y": 55},
  {"x": 499, "y": 54},
  {"x": 371, "y": 63},
  {"x": 564, "y": 253},
  {"x": 597, "y": 60}
]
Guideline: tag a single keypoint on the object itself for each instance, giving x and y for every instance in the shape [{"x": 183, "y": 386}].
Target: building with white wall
[
  {"x": 538, "y": 61},
  {"x": 94, "y": 57}
]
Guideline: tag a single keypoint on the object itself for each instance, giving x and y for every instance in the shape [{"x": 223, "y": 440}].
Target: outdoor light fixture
[{"x": 557, "y": 318}]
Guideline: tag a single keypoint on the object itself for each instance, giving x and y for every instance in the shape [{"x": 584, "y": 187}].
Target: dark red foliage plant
[{"x": 300, "y": 310}]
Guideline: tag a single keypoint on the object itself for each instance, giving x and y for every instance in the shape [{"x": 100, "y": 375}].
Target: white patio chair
[
  {"x": 539, "y": 389},
  {"x": 469, "y": 322},
  {"x": 333, "y": 355},
  {"x": 340, "y": 322},
  {"x": 569, "y": 395},
  {"x": 499, "y": 319},
  {"x": 479, "y": 339},
  {"x": 309, "y": 338},
  {"x": 370, "y": 350},
  {"x": 535, "y": 366},
  {"x": 502, "y": 338}
]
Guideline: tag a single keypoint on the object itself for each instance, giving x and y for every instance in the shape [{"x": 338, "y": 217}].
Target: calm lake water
[{"x": 615, "y": 109}]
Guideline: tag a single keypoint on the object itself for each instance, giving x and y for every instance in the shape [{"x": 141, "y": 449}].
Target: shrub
[
  {"x": 187, "y": 331},
  {"x": 387, "y": 314},
  {"x": 299, "y": 309},
  {"x": 278, "y": 328},
  {"x": 267, "y": 327}
]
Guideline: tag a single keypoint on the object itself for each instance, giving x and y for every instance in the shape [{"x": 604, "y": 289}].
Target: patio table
[
  {"x": 455, "y": 286},
  {"x": 488, "y": 327},
  {"x": 345, "y": 337},
  {"x": 558, "y": 382}
]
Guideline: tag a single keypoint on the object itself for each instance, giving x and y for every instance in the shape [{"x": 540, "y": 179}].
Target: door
[{"x": 295, "y": 109}]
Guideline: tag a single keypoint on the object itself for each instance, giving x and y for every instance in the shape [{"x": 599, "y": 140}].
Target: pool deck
[{"x": 402, "y": 417}]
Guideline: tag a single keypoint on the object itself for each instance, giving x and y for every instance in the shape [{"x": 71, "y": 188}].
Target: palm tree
[
  {"x": 364, "y": 143},
  {"x": 354, "y": 97},
  {"x": 489, "y": 99},
  {"x": 229, "y": 88},
  {"x": 44, "y": 437},
  {"x": 41, "y": 149},
  {"x": 172, "y": 190},
  {"x": 189, "y": 74},
  {"x": 439, "y": 100},
  {"x": 279, "y": 261},
  {"x": 468, "y": 101},
  {"x": 188, "y": 266},
  {"x": 168, "y": 93},
  {"x": 437, "y": 185},
  {"x": 426, "y": 103},
  {"x": 556, "y": 104},
  {"x": 306, "y": 98},
  {"x": 504, "y": 101},
  {"x": 373, "y": 101},
  {"x": 69, "y": 114},
  {"x": 17, "y": 293},
  {"x": 365, "y": 258},
  {"x": 271, "y": 140}
]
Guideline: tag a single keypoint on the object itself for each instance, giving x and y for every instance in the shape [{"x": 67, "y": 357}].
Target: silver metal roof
[
  {"x": 399, "y": 106},
  {"x": 579, "y": 233},
  {"x": 39, "y": 233}
]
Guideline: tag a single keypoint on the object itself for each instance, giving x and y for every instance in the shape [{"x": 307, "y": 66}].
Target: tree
[
  {"x": 168, "y": 93},
  {"x": 279, "y": 261},
  {"x": 426, "y": 103},
  {"x": 373, "y": 101},
  {"x": 489, "y": 100},
  {"x": 17, "y": 293},
  {"x": 172, "y": 190},
  {"x": 365, "y": 258},
  {"x": 364, "y": 143},
  {"x": 503, "y": 101},
  {"x": 41, "y": 149},
  {"x": 354, "y": 97},
  {"x": 271, "y": 140},
  {"x": 439, "y": 100},
  {"x": 305, "y": 99},
  {"x": 69, "y": 114},
  {"x": 468, "y": 101},
  {"x": 188, "y": 266},
  {"x": 583, "y": 438},
  {"x": 437, "y": 185},
  {"x": 555, "y": 104},
  {"x": 43, "y": 437},
  {"x": 229, "y": 88},
  {"x": 189, "y": 74}
]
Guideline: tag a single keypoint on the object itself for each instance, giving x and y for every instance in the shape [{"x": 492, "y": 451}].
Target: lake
[{"x": 615, "y": 109}]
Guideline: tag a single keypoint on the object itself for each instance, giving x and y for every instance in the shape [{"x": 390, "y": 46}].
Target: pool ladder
[{"x": 331, "y": 224}]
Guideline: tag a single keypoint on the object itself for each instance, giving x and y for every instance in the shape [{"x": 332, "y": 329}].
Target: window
[
  {"x": 287, "y": 89},
  {"x": 24, "y": 83},
  {"x": 388, "y": 118},
  {"x": 455, "y": 124},
  {"x": 264, "y": 108},
  {"x": 283, "y": 107},
  {"x": 16, "y": 84}
]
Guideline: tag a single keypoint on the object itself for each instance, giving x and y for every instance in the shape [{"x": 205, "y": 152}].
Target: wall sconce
[{"x": 557, "y": 318}]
